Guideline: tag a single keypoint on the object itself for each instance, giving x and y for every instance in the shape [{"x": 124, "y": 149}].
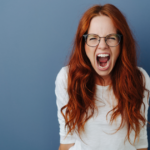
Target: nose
[{"x": 102, "y": 44}]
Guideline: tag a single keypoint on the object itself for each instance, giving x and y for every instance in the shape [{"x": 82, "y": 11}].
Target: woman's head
[
  {"x": 102, "y": 21},
  {"x": 101, "y": 55}
]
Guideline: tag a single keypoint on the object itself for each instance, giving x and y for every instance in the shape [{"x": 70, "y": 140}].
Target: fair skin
[{"x": 102, "y": 26}]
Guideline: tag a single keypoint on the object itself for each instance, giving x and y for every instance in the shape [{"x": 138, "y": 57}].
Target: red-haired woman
[{"x": 102, "y": 96}]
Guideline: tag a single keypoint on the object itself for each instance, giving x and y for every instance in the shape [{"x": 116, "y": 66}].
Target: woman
[{"x": 102, "y": 96}]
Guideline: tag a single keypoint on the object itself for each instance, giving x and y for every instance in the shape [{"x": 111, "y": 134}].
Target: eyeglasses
[{"x": 111, "y": 40}]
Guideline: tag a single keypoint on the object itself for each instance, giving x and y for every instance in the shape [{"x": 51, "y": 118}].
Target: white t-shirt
[{"x": 98, "y": 131}]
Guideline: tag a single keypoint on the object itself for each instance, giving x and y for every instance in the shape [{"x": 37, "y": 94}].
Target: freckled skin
[{"x": 102, "y": 26}]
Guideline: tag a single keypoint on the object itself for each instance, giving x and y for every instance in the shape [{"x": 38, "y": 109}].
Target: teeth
[{"x": 102, "y": 55}]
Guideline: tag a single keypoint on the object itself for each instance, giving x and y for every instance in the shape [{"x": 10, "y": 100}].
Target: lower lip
[{"x": 104, "y": 68}]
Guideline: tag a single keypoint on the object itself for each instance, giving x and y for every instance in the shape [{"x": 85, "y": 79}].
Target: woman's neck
[{"x": 106, "y": 79}]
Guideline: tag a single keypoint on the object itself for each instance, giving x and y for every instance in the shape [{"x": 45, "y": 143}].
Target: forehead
[{"x": 101, "y": 25}]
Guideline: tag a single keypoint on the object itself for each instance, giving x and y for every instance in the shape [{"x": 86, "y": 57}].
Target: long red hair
[{"x": 127, "y": 80}]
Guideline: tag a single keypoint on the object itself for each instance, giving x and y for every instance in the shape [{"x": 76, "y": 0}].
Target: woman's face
[{"x": 102, "y": 64}]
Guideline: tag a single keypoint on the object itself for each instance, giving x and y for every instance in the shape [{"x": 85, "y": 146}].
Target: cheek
[
  {"x": 116, "y": 53},
  {"x": 88, "y": 52}
]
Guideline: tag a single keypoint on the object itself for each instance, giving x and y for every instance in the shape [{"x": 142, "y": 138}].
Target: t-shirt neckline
[{"x": 102, "y": 87}]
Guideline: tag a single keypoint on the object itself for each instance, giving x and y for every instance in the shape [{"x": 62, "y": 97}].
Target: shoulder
[
  {"x": 146, "y": 76},
  {"x": 62, "y": 75}
]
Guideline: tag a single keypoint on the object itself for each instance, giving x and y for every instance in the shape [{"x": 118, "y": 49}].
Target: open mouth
[{"x": 102, "y": 60}]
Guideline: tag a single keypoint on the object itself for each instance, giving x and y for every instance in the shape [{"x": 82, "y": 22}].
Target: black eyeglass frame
[{"x": 85, "y": 37}]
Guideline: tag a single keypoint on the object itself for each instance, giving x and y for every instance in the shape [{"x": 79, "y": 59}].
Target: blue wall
[{"x": 35, "y": 40}]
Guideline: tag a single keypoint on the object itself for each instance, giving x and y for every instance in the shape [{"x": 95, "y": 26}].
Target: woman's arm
[
  {"x": 65, "y": 146},
  {"x": 61, "y": 100}
]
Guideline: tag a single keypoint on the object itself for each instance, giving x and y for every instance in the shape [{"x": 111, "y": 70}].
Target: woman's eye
[
  {"x": 92, "y": 38},
  {"x": 111, "y": 38}
]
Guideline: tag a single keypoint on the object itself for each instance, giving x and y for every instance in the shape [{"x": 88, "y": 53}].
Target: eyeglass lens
[{"x": 111, "y": 40}]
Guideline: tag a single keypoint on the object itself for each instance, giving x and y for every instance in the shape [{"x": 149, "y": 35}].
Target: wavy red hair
[{"x": 127, "y": 80}]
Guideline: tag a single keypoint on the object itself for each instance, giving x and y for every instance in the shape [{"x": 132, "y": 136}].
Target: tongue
[
  {"x": 103, "y": 61},
  {"x": 103, "y": 64}
]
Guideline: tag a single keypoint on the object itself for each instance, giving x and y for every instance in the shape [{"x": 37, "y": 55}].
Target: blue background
[{"x": 35, "y": 41}]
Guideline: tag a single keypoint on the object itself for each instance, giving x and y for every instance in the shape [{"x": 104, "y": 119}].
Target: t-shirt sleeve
[
  {"x": 61, "y": 100},
  {"x": 143, "y": 141}
]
